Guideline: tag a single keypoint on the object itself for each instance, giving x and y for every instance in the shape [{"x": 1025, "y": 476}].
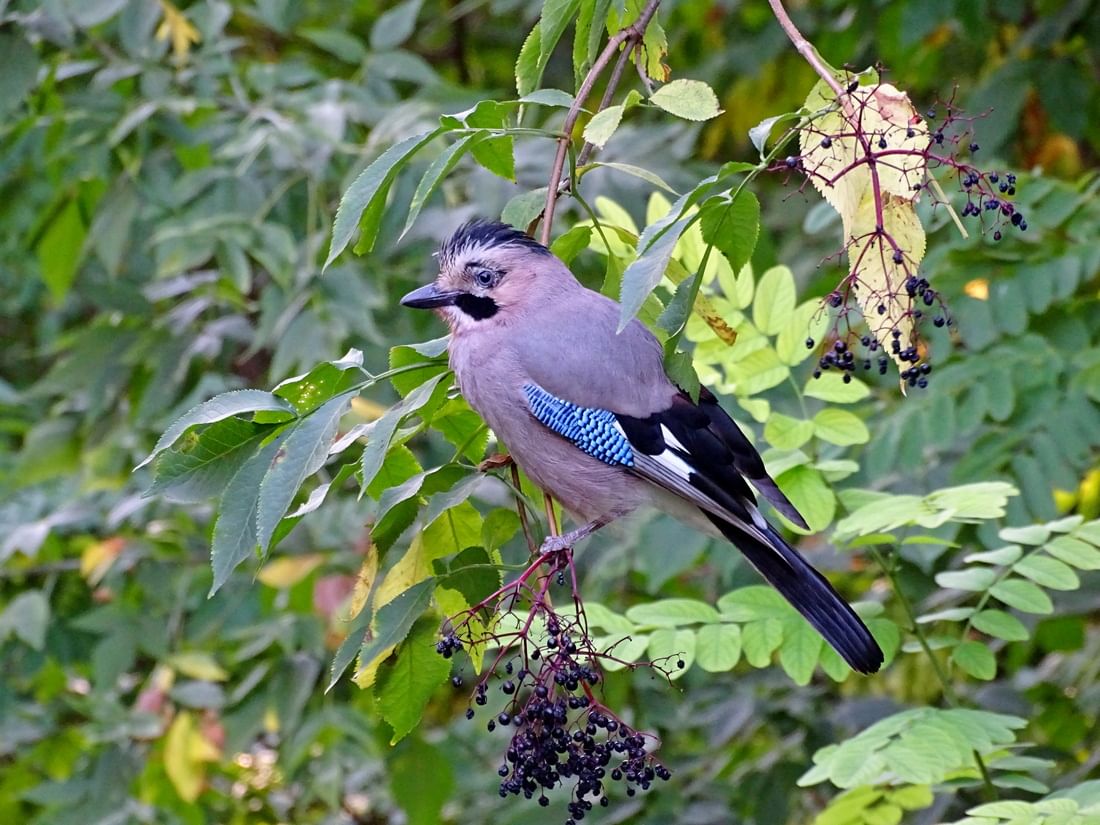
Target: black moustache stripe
[{"x": 478, "y": 307}]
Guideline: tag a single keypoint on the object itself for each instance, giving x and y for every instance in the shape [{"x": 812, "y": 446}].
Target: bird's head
[{"x": 488, "y": 272}]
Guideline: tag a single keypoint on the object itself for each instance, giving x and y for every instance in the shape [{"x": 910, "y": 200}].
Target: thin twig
[
  {"x": 632, "y": 35},
  {"x": 522, "y": 509}
]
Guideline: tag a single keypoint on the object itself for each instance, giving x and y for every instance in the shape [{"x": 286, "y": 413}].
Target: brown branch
[
  {"x": 805, "y": 47},
  {"x": 629, "y": 36}
]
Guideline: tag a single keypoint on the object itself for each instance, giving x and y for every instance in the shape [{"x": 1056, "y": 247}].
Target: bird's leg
[{"x": 554, "y": 544}]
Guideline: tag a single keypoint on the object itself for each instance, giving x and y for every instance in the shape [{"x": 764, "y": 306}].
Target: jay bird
[{"x": 590, "y": 416}]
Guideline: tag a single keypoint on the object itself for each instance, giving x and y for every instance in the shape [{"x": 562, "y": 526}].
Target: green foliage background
[{"x": 170, "y": 177}]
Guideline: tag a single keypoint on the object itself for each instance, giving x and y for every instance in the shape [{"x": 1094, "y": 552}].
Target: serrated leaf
[
  {"x": 1000, "y": 624},
  {"x": 393, "y": 621},
  {"x": 300, "y": 455},
  {"x": 732, "y": 227},
  {"x": 645, "y": 272},
  {"x": 1023, "y": 595},
  {"x": 363, "y": 202},
  {"x": 218, "y": 408},
  {"x": 524, "y": 208},
  {"x": 689, "y": 99},
  {"x": 603, "y": 125},
  {"x": 235, "y": 529},
  {"x": 203, "y": 464},
  {"x": 672, "y": 613},
  {"x": 404, "y": 688},
  {"x": 840, "y": 427},
  {"x": 717, "y": 647},
  {"x": 434, "y": 175},
  {"x": 381, "y": 433}
]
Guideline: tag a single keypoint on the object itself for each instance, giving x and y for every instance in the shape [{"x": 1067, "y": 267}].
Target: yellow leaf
[
  {"x": 97, "y": 558},
  {"x": 185, "y": 751},
  {"x": 368, "y": 571},
  {"x": 198, "y": 665},
  {"x": 365, "y": 408},
  {"x": 977, "y": 288},
  {"x": 412, "y": 568},
  {"x": 289, "y": 570},
  {"x": 880, "y": 278},
  {"x": 177, "y": 28}
]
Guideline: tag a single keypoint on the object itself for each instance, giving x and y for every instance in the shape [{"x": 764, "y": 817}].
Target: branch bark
[{"x": 629, "y": 37}]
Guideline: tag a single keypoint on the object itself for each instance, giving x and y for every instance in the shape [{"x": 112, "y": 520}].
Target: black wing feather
[{"x": 809, "y": 592}]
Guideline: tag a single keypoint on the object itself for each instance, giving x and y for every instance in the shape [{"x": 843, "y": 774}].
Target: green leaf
[
  {"x": 840, "y": 427},
  {"x": 758, "y": 371},
  {"x": 27, "y": 617},
  {"x": 404, "y": 688},
  {"x": 409, "y": 772},
  {"x": 549, "y": 97},
  {"x": 364, "y": 201},
  {"x": 668, "y": 647},
  {"x": 976, "y": 659},
  {"x": 732, "y": 226},
  {"x": 760, "y": 639},
  {"x": 395, "y": 26},
  {"x": 786, "y": 433},
  {"x": 645, "y": 272},
  {"x": 672, "y": 613},
  {"x": 436, "y": 172},
  {"x": 810, "y": 495},
  {"x": 1048, "y": 572},
  {"x": 717, "y": 647},
  {"x": 1023, "y": 595},
  {"x": 808, "y": 321},
  {"x": 20, "y": 62},
  {"x": 757, "y": 601},
  {"x": 1073, "y": 551},
  {"x": 603, "y": 125},
  {"x": 203, "y": 463},
  {"x": 381, "y": 433},
  {"x": 301, "y": 455},
  {"x": 689, "y": 99},
  {"x": 528, "y": 70},
  {"x": 773, "y": 305},
  {"x": 974, "y": 579},
  {"x": 1000, "y": 624},
  {"x": 800, "y": 651},
  {"x": 635, "y": 171},
  {"x": 235, "y": 529},
  {"x": 218, "y": 408},
  {"x": 522, "y": 210},
  {"x": 572, "y": 243},
  {"x": 1002, "y": 555},
  {"x": 394, "y": 619},
  {"x": 832, "y": 388},
  {"x": 305, "y": 393},
  {"x": 1031, "y": 534},
  {"x": 61, "y": 247}
]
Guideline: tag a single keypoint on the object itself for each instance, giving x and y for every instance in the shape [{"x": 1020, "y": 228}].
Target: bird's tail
[{"x": 809, "y": 592}]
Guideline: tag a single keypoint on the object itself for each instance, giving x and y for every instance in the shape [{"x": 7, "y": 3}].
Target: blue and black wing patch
[{"x": 593, "y": 431}]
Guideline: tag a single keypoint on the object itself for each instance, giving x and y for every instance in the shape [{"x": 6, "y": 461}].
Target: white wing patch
[{"x": 671, "y": 440}]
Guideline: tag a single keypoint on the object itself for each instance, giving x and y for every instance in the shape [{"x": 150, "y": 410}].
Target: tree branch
[{"x": 629, "y": 36}]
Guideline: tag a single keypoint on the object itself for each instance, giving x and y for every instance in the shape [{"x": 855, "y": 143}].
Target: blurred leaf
[
  {"x": 26, "y": 617},
  {"x": 773, "y": 304},
  {"x": 61, "y": 248},
  {"x": 976, "y": 659},
  {"x": 717, "y": 647},
  {"x": 394, "y": 26}
]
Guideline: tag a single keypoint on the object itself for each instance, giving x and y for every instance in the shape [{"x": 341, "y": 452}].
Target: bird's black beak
[{"x": 429, "y": 297}]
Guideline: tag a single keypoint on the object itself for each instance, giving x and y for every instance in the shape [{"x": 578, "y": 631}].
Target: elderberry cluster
[
  {"x": 560, "y": 733},
  {"x": 841, "y": 357}
]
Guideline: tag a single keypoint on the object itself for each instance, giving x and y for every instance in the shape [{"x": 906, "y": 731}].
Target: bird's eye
[{"x": 484, "y": 277}]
